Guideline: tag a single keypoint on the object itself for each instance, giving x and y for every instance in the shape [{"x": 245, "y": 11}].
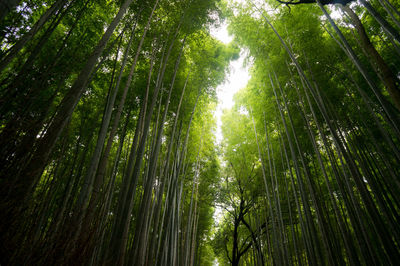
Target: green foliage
[
  {"x": 301, "y": 122},
  {"x": 306, "y": 172}
]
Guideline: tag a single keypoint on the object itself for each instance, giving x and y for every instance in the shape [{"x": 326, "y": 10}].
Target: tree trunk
[
  {"x": 360, "y": 67},
  {"x": 385, "y": 25},
  {"x": 388, "y": 78},
  {"x": 12, "y": 53},
  {"x": 30, "y": 174},
  {"x": 140, "y": 236}
]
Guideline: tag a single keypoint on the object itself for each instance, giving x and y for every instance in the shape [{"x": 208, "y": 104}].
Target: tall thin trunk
[
  {"x": 359, "y": 66},
  {"x": 388, "y": 78},
  {"x": 177, "y": 169},
  {"x": 30, "y": 174},
  {"x": 13, "y": 52},
  {"x": 385, "y": 25},
  {"x": 315, "y": 251},
  {"x": 86, "y": 190},
  {"x": 143, "y": 210},
  {"x": 94, "y": 181},
  {"x": 34, "y": 168},
  {"x": 321, "y": 219},
  {"x": 269, "y": 209},
  {"x": 193, "y": 200},
  {"x": 133, "y": 149}
]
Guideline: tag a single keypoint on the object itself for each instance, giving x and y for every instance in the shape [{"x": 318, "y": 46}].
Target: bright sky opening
[{"x": 236, "y": 79}]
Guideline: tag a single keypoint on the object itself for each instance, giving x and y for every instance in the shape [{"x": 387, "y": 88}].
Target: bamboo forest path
[{"x": 126, "y": 140}]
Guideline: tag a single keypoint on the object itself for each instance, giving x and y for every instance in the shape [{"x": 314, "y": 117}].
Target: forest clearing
[{"x": 116, "y": 147}]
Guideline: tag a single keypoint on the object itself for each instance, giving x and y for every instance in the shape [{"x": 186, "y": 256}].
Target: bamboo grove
[
  {"x": 311, "y": 146},
  {"x": 107, "y": 133}
]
